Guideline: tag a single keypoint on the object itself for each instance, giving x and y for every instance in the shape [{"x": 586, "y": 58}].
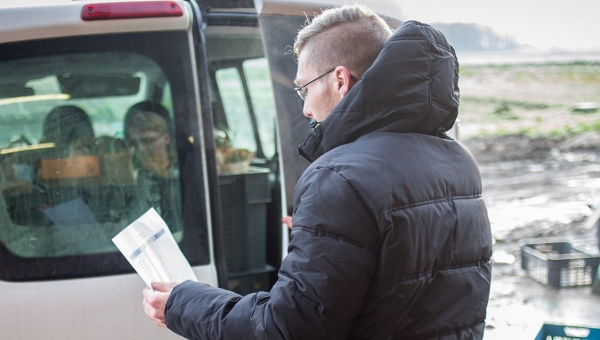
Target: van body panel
[
  {"x": 37, "y": 303},
  {"x": 91, "y": 308}
]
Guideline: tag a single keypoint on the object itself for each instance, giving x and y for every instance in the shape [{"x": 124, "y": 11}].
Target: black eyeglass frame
[{"x": 302, "y": 94}]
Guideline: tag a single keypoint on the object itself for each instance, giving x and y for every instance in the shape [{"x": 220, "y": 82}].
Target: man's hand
[
  {"x": 287, "y": 220},
  {"x": 155, "y": 301}
]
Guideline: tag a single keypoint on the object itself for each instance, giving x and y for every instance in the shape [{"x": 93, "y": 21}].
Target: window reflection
[{"x": 83, "y": 166}]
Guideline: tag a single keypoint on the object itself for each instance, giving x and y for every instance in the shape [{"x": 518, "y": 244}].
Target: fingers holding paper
[{"x": 155, "y": 300}]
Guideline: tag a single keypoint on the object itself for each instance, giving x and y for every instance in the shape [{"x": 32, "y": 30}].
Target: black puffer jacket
[{"x": 391, "y": 238}]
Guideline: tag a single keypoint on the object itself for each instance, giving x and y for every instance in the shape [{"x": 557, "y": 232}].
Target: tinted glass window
[
  {"x": 279, "y": 33},
  {"x": 91, "y": 137}
]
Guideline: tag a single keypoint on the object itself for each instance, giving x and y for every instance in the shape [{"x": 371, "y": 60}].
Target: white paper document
[{"x": 149, "y": 246}]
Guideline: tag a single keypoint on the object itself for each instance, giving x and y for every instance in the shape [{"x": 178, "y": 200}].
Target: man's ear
[{"x": 343, "y": 81}]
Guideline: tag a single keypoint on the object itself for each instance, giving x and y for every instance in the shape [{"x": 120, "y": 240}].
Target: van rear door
[{"x": 72, "y": 173}]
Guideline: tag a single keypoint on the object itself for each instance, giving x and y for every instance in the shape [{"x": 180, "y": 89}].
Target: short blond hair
[{"x": 351, "y": 36}]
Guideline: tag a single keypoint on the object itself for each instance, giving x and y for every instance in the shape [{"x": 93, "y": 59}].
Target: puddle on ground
[{"x": 519, "y": 195}]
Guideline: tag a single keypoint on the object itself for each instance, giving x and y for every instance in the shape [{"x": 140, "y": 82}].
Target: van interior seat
[{"x": 65, "y": 125}]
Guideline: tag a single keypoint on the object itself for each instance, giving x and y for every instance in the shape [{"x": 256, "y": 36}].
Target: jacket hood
[{"x": 411, "y": 87}]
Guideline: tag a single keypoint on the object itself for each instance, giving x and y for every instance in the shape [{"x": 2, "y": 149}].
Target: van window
[
  {"x": 263, "y": 102},
  {"x": 235, "y": 107},
  {"x": 249, "y": 106},
  {"x": 91, "y": 137}
]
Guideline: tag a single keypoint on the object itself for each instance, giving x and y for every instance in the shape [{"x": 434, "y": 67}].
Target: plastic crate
[
  {"x": 556, "y": 263},
  {"x": 562, "y": 332}
]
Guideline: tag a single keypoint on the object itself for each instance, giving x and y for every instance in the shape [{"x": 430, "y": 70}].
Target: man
[
  {"x": 390, "y": 235},
  {"x": 147, "y": 130},
  {"x": 70, "y": 129},
  {"x": 148, "y": 133}
]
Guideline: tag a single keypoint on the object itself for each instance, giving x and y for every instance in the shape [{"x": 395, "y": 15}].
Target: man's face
[
  {"x": 148, "y": 144},
  {"x": 322, "y": 97}
]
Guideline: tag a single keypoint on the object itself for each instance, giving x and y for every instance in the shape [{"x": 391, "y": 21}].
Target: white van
[{"x": 72, "y": 75}]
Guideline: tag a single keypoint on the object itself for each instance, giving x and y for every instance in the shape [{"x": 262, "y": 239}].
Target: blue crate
[{"x": 562, "y": 332}]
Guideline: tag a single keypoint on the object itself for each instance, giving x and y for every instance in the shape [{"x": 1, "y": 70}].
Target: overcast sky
[{"x": 567, "y": 24}]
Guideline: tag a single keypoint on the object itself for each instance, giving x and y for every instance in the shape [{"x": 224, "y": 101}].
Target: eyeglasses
[
  {"x": 147, "y": 141},
  {"x": 302, "y": 91}
]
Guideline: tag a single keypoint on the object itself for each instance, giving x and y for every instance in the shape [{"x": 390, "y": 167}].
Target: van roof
[
  {"x": 41, "y": 19},
  {"x": 390, "y": 10}
]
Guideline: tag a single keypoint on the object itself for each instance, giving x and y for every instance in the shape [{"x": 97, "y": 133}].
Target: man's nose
[{"x": 307, "y": 111}]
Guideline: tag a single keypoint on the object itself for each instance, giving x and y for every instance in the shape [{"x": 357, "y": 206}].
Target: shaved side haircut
[{"x": 351, "y": 36}]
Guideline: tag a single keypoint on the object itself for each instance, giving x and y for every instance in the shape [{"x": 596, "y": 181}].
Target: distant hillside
[{"x": 474, "y": 37}]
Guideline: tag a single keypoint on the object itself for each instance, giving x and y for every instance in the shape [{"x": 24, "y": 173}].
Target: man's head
[
  {"x": 148, "y": 133},
  {"x": 340, "y": 44}
]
